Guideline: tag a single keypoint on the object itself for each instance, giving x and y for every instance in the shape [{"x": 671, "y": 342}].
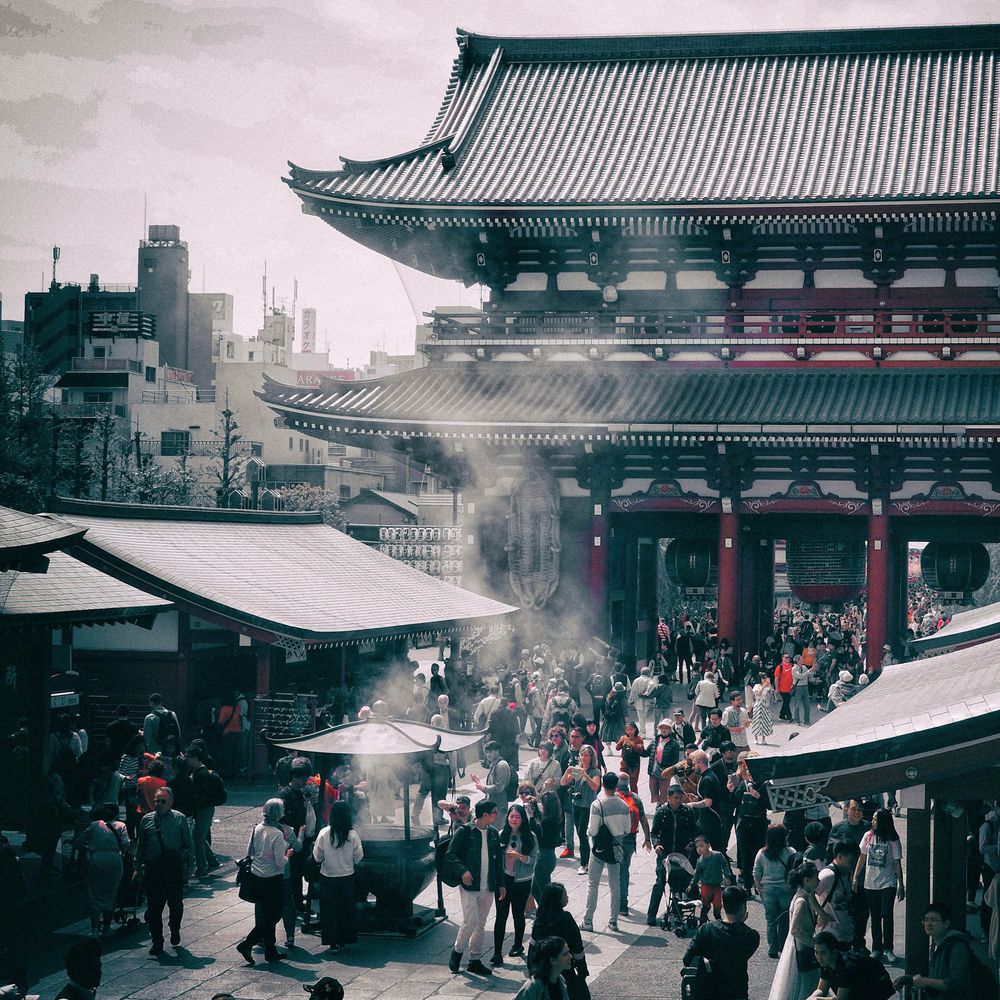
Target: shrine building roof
[
  {"x": 275, "y": 576},
  {"x": 71, "y": 593},
  {"x": 784, "y": 120},
  {"x": 925, "y": 720},
  {"x": 25, "y": 538},
  {"x": 628, "y": 399}
]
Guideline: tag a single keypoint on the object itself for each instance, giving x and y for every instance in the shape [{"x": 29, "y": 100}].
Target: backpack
[
  {"x": 560, "y": 715},
  {"x": 167, "y": 726},
  {"x": 633, "y": 810},
  {"x": 983, "y": 984},
  {"x": 215, "y": 789},
  {"x": 872, "y": 981},
  {"x": 446, "y": 872}
]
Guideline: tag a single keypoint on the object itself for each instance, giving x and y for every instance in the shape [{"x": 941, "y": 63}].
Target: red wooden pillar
[
  {"x": 877, "y": 583},
  {"x": 729, "y": 577}
]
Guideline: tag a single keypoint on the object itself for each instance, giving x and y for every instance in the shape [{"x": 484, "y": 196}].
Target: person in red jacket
[{"x": 783, "y": 684}]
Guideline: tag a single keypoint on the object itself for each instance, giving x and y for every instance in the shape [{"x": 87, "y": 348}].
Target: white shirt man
[
  {"x": 736, "y": 719},
  {"x": 641, "y": 697},
  {"x": 610, "y": 811}
]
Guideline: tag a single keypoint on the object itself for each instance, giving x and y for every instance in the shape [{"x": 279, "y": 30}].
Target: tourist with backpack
[
  {"x": 208, "y": 791},
  {"x": 954, "y": 971},
  {"x": 159, "y": 724}
]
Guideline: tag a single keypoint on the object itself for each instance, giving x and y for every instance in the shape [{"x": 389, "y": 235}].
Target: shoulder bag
[{"x": 245, "y": 879}]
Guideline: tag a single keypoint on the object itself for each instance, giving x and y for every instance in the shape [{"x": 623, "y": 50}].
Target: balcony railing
[
  {"x": 88, "y": 411},
  {"x": 196, "y": 396},
  {"x": 209, "y": 448},
  {"x": 107, "y": 365},
  {"x": 878, "y": 334}
]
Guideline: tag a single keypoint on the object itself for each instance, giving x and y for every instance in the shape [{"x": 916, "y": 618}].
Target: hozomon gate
[{"x": 741, "y": 287}]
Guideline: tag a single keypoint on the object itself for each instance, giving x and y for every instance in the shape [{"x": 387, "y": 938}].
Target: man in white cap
[{"x": 642, "y": 698}]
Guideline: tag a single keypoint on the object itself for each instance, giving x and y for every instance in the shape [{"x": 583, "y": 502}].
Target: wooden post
[
  {"x": 597, "y": 569},
  {"x": 949, "y": 863},
  {"x": 918, "y": 887},
  {"x": 877, "y": 573},
  {"x": 263, "y": 670}
]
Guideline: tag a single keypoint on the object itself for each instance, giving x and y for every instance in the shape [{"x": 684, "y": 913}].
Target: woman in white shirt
[
  {"x": 268, "y": 851},
  {"x": 338, "y": 850},
  {"x": 880, "y": 872}
]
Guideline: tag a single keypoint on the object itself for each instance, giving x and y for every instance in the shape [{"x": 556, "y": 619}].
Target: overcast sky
[{"x": 197, "y": 106}]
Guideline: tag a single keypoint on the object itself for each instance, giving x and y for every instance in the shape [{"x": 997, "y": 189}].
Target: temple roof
[
  {"x": 917, "y": 714},
  {"x": 70, "y": 592},
  {"x": 965, "y": 629},
  {"x": 787, "y": 119},
  {"x": 276, "y": 576},
  {"x": 25, "y": 538},
  {"x": 584, "y": 401}
]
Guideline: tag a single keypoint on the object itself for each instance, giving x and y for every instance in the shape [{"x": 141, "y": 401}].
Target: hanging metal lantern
[
  {"x": 692, "y": 563},
  {"x": 955, "y": 568},
  {"x": 825, "y": 572}
]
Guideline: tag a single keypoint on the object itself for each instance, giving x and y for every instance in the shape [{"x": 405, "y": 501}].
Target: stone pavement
[{"x": 643, "y": 961}]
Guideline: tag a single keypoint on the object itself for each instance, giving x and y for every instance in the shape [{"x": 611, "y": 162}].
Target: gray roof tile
[{"x": 272, "y": 572}]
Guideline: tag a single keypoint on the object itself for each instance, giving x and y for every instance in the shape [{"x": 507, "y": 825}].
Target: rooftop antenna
[
  {"x": 144, "y": 206},
  {"x": 295, "y": 303},
  {"x": 55, "y": 257},
  {"x": 202, "y": 279},
  {"x": 263, "y": 289}
]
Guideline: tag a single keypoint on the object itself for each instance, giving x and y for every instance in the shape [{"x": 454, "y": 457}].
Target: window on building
[
  {"x": 149, "y": 263},
  {"x": 291, "y": 444},
  {"x": 175, "y": 443},
  {"x": 302, "y": 444},
  {"x": 151, "y": 374},
  {"x": 345, "y": 491},
  {"x": 100, "y": 352},
  {"x": 230, "y": 350},
  {"x": 97, "y": 397},
  {"x": 256, "y": 449},
  {"x": 249, "y": 355}
]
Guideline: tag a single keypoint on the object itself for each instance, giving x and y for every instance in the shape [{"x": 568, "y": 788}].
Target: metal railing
[
  {"x": 199, "y": 396},
  {"x": 107, "y": 365},
  {"x": 88, "y": 410},
  {"x": 211, "y": 448}
]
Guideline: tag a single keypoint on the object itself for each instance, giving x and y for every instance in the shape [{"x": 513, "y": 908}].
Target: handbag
[
  {"x": 245, "y": 879},
  {"x": 805, "y": 960}
]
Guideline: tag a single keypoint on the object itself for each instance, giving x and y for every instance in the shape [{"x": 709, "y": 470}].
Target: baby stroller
[{"x": 682, "y": 913}]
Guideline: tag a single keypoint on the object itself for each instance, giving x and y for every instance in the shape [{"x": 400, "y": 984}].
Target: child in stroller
[{"x": 682, "y": 913}]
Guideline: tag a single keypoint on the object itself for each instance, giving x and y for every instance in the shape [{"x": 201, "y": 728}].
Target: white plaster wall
[{"x": 161, "y": 638}]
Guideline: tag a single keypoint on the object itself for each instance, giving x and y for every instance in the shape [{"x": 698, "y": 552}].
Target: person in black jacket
[
  {"x": 470, "y": 848},
  {"x": 727, "y": 946},
  {"x": 674, "y": 827}
]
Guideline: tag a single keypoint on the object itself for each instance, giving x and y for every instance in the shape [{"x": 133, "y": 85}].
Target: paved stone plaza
[{"x": 644, "y": 960}]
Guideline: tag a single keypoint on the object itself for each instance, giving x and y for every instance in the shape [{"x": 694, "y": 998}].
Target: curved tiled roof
[
  {"x": 453, "y": 398},
  {"x": 865, "y": 117},
  {"x": 70, "y": 592},
  {"x": 25, "y": 538},
  {"x": 283, "y": 574}
]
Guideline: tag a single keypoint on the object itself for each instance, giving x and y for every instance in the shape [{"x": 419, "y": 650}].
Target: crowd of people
[{"x": 655, "y": 762}]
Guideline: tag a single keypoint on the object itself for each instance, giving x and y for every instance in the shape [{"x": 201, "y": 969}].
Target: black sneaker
[
  {"x": 476, "y": 968},
  {"x": 156, "y": 951},
  {"x": 175, "y": 937},
  {"x": 455, "y": 962},
  {"x": 247, "y": 952}
]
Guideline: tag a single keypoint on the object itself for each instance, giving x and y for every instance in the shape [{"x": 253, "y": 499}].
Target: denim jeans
[
  {"x": 628, "y": 851},
  {"x": 776, "y": 899},
  {"x": 544, "y": 868},
  {"x": 203, "y": 855}
]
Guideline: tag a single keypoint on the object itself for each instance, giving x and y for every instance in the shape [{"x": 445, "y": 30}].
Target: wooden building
[{"x": 742, "y": 288}]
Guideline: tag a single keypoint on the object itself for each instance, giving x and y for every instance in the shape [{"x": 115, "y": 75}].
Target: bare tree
[{"x": 231, "y": 456}]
